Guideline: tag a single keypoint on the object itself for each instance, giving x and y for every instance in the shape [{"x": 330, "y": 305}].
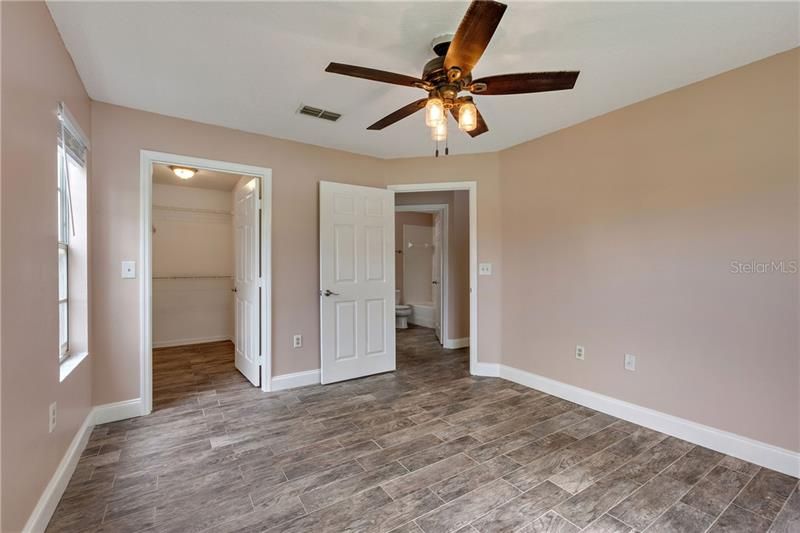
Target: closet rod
[{"x": 192, "y": 210}]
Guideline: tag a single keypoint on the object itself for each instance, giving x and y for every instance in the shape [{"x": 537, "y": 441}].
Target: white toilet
[{"x": 401, "y": 313}]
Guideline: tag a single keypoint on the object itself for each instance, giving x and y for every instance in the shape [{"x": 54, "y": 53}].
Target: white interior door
[
  {"x": 356, "y": 270},
  {"x": 437, "y": 275},
  {"x": 247, "y": 279}
]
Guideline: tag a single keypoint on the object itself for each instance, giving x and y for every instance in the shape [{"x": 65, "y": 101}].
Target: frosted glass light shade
[
  {"x": 184, "y": 173},
  {"x": 439, "y": 132},
  {"x": 434, "y": 112},
  {"x": 467, "y": 116}
]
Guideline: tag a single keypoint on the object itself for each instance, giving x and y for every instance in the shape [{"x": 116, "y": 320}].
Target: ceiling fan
[{"x": 450, "y": 73}]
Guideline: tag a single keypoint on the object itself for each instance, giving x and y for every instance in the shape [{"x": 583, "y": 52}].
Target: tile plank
[
  {"x": 427, "y": 476},
  {"x": 642, "y": 507},
  {"x": 344, "y": 488},
  {"x": 521, "y": 510},
  {"x": 463, "y": 510},
  {"x": 766, "y": 493}
]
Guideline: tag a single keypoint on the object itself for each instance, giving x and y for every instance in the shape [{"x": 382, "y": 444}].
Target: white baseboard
[
  {"x": 111, "y": 412},
  {"x": 100, "y": 414},
  {"x": 454, "y": 344},
  {"x": 760, "y": 453},
  {"x": 49, "y": 499},
  {"x": 297, "y": 379},
  {"x": 421, "y": 321},
  {"x": 189, "y": 342},
  {"x": 487, "y": 369}
]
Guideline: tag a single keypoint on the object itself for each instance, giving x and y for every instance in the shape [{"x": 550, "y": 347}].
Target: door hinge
[{"x": 260, "y": 359}]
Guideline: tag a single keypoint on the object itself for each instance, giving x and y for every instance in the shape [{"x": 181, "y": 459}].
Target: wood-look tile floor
[{"x": 424, "y": 449}]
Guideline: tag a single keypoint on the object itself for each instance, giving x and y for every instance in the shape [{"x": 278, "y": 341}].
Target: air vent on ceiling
[{"x": 319, "y": 113}]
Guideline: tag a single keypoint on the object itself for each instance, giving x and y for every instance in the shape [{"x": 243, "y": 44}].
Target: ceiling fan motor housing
[{"x": 435, "y": 75}]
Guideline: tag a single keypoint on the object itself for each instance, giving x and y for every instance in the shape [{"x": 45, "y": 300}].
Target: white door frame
[
  {"x": 472, "y": 188},
  {"x": 147, "y": 159},
  {"x": 443, "y": 211}
]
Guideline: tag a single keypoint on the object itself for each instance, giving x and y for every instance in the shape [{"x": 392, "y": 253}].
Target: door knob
[
  {"x": 234, "y": 289},
  {"x": 435, "y": 282},
  {"x": 328, "y": 293}
]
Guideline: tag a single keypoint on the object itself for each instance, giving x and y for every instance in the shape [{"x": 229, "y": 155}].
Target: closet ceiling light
[{"x": 184, "y": 173}]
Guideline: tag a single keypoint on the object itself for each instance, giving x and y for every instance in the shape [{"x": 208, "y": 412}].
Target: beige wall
[
  {"x": 418, "y": 267},
  {"x": 402, "y": 218},
  {"x": 118, "y": 136},
  {"x": 36, "y": 74},
  {"x": 458, "y": 253},
  {"x": 618, "y": 234},
  {"x": 192, "y": 239}
]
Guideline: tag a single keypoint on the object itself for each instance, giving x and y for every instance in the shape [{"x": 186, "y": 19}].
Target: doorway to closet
[{"x": 205, "y": 279}]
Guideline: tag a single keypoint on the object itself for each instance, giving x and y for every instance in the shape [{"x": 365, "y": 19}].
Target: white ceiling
[
  {"x": 203, "y": 179},
  {"x": 250, "y": 65}
]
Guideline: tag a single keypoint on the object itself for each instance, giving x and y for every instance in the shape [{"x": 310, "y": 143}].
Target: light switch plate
[
  {"x": 485, "y": 269},
  {"x": 128, "y": 269}
]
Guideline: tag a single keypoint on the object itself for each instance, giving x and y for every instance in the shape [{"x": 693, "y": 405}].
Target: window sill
[{"x": 71, "y": 363}]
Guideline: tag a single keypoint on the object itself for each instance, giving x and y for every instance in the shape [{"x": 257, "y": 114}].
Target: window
[
  {"x": 63, "y": 255},
  {"x": 71, "y": 182}
]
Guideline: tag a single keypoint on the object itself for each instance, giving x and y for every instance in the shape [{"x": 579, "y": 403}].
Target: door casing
[{"x": 147, "y": 159}]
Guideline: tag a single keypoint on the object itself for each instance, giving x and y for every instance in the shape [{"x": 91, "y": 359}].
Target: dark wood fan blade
[
  {"x": 527, "y": 82},
  {"x": 372, "y": 74},
  {"x": 473, "y": 35},
  {"x": 481, "y": 127},
  {"x": 400, "y": 114}
]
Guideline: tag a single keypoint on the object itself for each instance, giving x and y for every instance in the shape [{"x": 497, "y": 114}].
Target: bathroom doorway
[
  {"x": 421, "y": 242},
  {"x": 433, "y": 271}
]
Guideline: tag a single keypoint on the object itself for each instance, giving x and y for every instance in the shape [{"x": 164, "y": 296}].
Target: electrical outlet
[
  {"x": 52, "y": 423},
  {"x": 128, "y": 270},
  {"x": 580, "y": 352},
  {"x": 630, "y": 362},
  {"x": 297, "y": 341}
]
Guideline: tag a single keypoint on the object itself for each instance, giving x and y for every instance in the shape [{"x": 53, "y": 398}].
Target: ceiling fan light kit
[{"x": 450, "y": 73}]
